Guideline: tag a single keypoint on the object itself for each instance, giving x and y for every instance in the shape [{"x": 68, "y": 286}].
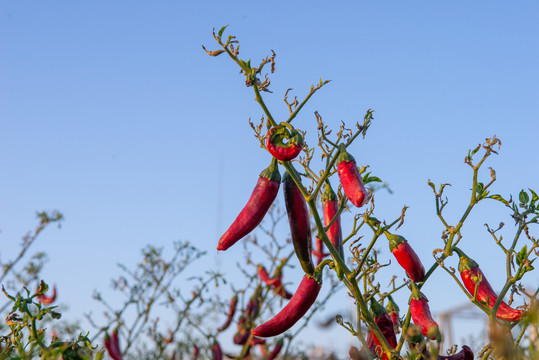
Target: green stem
[{"x": 260, "y": 101}]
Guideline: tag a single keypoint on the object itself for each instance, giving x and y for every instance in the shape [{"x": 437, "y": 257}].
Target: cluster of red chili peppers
[
  {"x": 253, "y": 212},
  {"x": 298, "y": 215},
  {"x": 112, "y": 344}
]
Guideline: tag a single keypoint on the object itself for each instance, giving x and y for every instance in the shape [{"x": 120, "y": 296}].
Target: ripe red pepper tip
[{"x": 301, "y": 302}]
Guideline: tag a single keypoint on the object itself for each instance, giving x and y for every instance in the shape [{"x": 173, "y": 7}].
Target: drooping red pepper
[
  {"x": 382, "y": 319},
  {"x": 300, "y": 224},
  {"x": 242, "y": 334},
  {"x": 393, "y": 311},
  {"x": 318, "y": 251},
  {"x": 257, "y": 341},
  {"x": 112, "y": 344},
  {"x": 420, "y": 311},
  {"x": 274, "y": 282},
  {"x": 465, "y": 354},
  {"x": 280, "y": 150},
  {"x": 253, "y": 305},
  {"x": 351, "y": 181},
  {"x": 231, "y": 312},
  {"x": 276, "y": 350},
  {"x": 406, "y": 256},
  {"x": 470, "y": 271},
  {"x": 252, "y": 214},
  {"x": 48, "y": 299},
  {"x": 330, "y": 207},
  {"x": 196, "y": 352},
  {"x": 264, "y": 276},
  {"x": 301, "y": 302},
  {"x": 216, "y": 351}
]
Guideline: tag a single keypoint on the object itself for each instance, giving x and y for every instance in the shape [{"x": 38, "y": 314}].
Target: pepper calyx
[
  {"x": 394, "y": 240},
  {"x": 329, "y": 194},
  {"x": 272, "y": 172},
  {"x": 465, "y": 262},
  {"x": 391, "y": 305},
  {"x": 344, "y": 156},
  {"x": 377, "y": 309}
]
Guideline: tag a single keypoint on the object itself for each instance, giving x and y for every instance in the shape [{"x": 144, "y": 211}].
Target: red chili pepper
[
  {"x": 393, "y": 311},
  {"x": 216, "y": 351},
  {"x": 264, "y": 276},
  {"x": 252, "y": 214},
  {"x": 243, "y": 333},
  {"x": 112, "y": 344},
  {"x": 406, "y": 256},
  {"x": 351, "y": 179},
  {"x": 330, "y": 207},
  {"x": 300, "y": 303},
  {"x": 253, "y": 306},
  {"x": 419, "y": 308},
  {"x": 274, "y": 282},
  {"x": 318, "y": 251},
  {"x": 469, "y": 270},
  {"x": 196, "y": 351},
  {"x": 48, "y": 299},
  {"x": 382, "y": 319},
  {"x": 465, "y": 354},
  {"x": 276, "y": 350},
  {"x": 257, "y": 341},
  {"x": 231, "y": 312},
  {"x": 276, "y": 146},
  {"x": 300, "y": 224}
]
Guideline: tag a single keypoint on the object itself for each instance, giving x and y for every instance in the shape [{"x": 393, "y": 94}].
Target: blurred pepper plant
[{"x": 165, "y": 315}]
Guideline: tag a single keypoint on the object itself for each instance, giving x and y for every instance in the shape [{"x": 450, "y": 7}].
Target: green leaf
[
  {"x": 499, "y": 198},
  {"x": 367, "y": 178},
  {"x": 431, "y": 184},
  {"x": 479, "y": 187},
  {"x": 523, "y": 197},
  {"x": 529, "y": 267},
  {"x": 474, "y": 151},
  {"x": 534, "y": 196},
  {"x": 483, "y": 195},
  {"x": 521, "y": 256},
  {"x": 221, "y": 31}
]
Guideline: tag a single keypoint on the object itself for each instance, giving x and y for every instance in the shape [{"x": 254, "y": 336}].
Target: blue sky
[{"x": 112, "y": 114}]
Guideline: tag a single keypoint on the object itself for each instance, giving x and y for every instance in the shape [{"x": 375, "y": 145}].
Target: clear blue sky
[{"x": 111, "y": 113}]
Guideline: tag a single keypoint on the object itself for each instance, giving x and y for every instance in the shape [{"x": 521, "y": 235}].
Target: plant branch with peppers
[{"x": 285, "y": 144}]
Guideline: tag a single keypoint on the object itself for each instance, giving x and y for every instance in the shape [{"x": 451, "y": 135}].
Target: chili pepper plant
[{"x": 310, "y": 175}]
